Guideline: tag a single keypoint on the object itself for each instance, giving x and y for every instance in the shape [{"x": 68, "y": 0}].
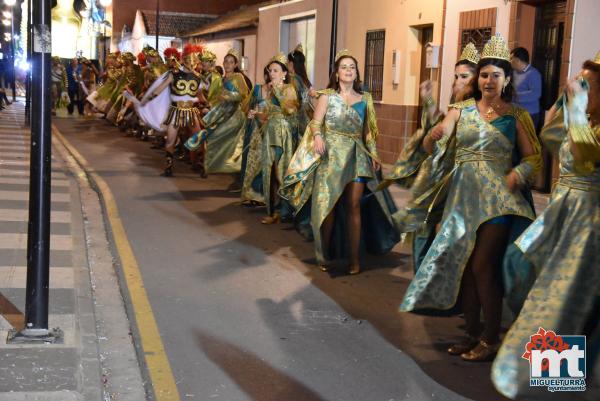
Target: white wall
[
  {"x": 585, "y": 43},
  {"x": 453, "y": 10}
]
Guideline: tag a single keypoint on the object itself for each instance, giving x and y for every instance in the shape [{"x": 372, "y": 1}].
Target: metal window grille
[
  {"x": 478, "y": 37},
  {"x": 374, "y": 63}
]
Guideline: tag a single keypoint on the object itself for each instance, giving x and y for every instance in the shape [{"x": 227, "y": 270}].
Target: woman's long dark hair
[
  {"x": 508, "y": 93},
  {"x": 237, "y": 69},
  {"x": 299, "y": 60},
  {"x": 286, "y": 80},
  {"x": 466, "y": 93},
  {"x": 334, "y": 83}
]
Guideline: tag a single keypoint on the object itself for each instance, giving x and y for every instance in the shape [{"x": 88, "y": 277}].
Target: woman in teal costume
[
  {"x": 416, "y": 169},
  {"x": 563, "y": 243},
  {"x": 279, "y": 137},
  {"x": 334, "y": 170},
  {"x": 306, "y": 93},
  {"x": 497, "y": 153},
  {"x": 251, "y": 173},
  {"x": 225, "y": 123}
]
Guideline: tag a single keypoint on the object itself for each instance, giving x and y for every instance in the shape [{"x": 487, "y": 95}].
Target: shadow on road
[{"x": 256, "y": 378}]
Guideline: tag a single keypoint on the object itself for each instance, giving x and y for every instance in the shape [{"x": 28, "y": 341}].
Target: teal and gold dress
[
  {"x": 564, "y": 245},
  {"x": 350, "y": 134},
  {"x": 416, "y": 169},
  {"x": 305, "y": 109},
  {"x": 477, "y": 194},
  {"x": 225, "y": 127},
  {"x": 279, "y": 141},
  {"x": 252, "y": 185}
]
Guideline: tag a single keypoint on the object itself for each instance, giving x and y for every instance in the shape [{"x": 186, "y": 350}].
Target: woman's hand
[
  {"x": 319, "y": 145},
  {"x": 252, "y": 114},
  {"x": 312, "y": 92},
  {"x": 376, "y": 165},
  {"x": 512, "y": 181},
  {"x": 426, "y": 90},
  {"x": 574, "y": 87},
  {"x": 436, "y": 133}
]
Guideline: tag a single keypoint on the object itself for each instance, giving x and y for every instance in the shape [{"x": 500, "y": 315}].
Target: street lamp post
[
  {"x": 11, "y": 4},
  {"x": 38, "y": 234}
]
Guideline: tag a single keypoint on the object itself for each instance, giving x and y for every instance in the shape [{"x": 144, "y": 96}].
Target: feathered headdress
[
  {"x": 208, "y": 56},
  {"x": 141, "y": 59},
  {"x": 171, "y": 53}
]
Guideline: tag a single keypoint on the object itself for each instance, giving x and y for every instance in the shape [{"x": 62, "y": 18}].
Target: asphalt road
[{"x": 244, "y": 313}]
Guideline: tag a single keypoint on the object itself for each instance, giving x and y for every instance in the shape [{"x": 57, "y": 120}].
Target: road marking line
[
  {"x": 25, "y": 181},
  {"x": 19, "y": 241},
  {"x": 23, "y": 215},
  {"x": 24, "y": 196},
  {"x": 161, "y": 375},
  {"x": 16, "y": 277}
]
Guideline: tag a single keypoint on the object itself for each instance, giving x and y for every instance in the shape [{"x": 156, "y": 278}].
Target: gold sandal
[
  {"x": 276, "y": 218},
  {"x": 483, "y": 352},
  {"x": 465, "y": 345}
]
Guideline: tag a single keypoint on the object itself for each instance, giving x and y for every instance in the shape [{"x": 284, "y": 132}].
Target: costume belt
[
  {"x": 342, "y": 133},
  {"x": 184, "y": 104},
  {"x": 573, "y": 181},
  {"x": 466, "y": 155}
]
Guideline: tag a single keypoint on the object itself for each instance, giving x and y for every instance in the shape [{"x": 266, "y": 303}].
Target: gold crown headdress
[
  {"x": 280, "y": 58},
  {"x": 343, "y": 53},
  {"x": 150, "y": 51},
  {"x": 299, "y": 48},
  {"x": 597, "y": 58},
  {"x": 470, "y": 54},
  {"x": 207, "y": 55},
  {"x": 233, "y": 52},
  {"x": 496, "y": 47}
]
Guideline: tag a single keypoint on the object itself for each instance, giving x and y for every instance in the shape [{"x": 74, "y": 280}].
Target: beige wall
[
  {"x": 268, "y": 34},
  {"x": 400, "y": 20},
  {"x": 585, "y": 33},
  {"x": 453, "y": 10},
  {"x": 221, "y": 46}
]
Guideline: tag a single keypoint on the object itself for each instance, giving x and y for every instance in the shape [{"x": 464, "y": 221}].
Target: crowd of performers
[{"x": 310, "y": 157}]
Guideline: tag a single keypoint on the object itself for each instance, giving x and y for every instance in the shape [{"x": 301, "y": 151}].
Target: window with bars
[
  {"x": 478, "y": 36},
  {"x": 375, "y": 50}
]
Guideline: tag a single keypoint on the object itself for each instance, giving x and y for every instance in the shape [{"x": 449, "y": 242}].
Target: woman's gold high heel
[
  {"x": 483, "y": 352},
  {"x": 464, "y": 346},
  {"x": 354, "y": 269},
  {"x": 276, "y": 218}
]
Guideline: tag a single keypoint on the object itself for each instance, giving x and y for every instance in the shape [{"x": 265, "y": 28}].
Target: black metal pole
[
  {"x": 38, "y": 260},
  {"x": 28, "y": 80},
  {"x": 157, "y": 30},
  {"x": 12, "y": 52},
  {"x": 333, "y": 47}
]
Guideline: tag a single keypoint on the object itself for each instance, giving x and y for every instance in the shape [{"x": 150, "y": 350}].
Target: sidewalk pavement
[{"x": 97, "y": 360}]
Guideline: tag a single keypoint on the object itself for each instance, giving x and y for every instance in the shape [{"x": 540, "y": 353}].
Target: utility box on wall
[{"x": 432, "y": 55}]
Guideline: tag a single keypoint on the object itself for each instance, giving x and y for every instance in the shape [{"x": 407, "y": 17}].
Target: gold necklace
[{"x": 491, "y": 110}]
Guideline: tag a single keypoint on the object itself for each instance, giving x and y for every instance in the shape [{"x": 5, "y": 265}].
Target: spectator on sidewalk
[
  {"x": 73, "y": 77},
  {"x": 527, "y": 81}
]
